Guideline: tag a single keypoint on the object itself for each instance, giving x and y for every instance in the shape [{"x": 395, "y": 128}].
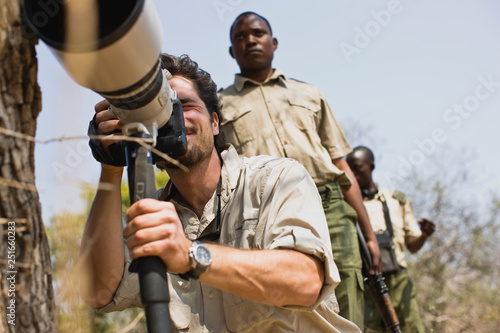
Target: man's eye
[{"x": 188, "y": 106}]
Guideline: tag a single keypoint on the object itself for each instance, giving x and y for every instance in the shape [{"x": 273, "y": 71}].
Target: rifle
[{"x": 377, "y": 288}]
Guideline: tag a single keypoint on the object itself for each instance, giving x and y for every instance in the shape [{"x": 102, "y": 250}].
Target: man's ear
[
  {"x": 275, "y": 43},
  {"x": 231, "y": 52},
  {"x": 215, "y": 123}
]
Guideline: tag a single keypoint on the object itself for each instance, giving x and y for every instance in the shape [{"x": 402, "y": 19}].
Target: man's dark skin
[
  {"x": 253, "y": 49},
  {"x": 362, "y": 164}
]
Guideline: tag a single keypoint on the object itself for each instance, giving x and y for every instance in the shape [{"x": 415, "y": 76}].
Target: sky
[{"x": 414, "y": 80}]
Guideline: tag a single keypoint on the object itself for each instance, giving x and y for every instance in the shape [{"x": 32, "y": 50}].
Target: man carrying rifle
[{"x": 391, "y": 212}]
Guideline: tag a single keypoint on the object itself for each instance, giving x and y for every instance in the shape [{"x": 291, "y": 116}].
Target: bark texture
[{"x": 20, "y": 104}]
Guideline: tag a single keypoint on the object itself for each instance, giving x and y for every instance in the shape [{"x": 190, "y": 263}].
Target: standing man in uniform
[
  {"x": 406, "y": 232},
  {"x": 266, "y": 113}
]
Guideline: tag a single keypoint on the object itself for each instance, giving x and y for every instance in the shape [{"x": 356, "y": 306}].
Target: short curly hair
[
  {"x": 205, "y": 87},
  {"x": 246, "y": 14}
]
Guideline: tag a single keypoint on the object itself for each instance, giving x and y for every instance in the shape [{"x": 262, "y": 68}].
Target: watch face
[{"x": 203, "y": 256}]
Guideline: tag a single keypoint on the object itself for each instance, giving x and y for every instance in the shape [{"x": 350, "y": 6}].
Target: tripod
[{"x": 152, "y": 270}]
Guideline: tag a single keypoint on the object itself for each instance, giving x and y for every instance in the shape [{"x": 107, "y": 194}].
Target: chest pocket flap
[
  {"x": 231, "y": 114},
  {"x": 304, "y": 113},
  {"x": 304, "y": 103}
]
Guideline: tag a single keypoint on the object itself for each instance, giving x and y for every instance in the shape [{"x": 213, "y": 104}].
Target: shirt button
[
  {"x": 192, "y": 220},
  {"x": 211, "y": 294}
]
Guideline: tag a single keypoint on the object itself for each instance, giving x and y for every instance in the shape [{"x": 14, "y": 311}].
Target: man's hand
[
  {"x": 154, "y": 229},
  {"x": 107, "y": 123},
  {"x": 104, "y": 131},
  {"x": 374, "y": 249},
  {"x": 427, "y": 226}
]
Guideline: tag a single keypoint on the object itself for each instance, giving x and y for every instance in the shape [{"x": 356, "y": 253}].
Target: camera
[{"x": 113, "y": 48}]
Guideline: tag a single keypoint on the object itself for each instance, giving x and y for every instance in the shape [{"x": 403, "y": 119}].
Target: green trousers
[
  {"x": 341, "y": 218},
  {"x": 403, "y": 298}
]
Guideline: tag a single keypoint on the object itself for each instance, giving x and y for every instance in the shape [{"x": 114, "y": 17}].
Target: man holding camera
[
  {"x": 390, "y": 212},
  {"x": 266, "y": 264},
  {"x": 268, "y": 113}
]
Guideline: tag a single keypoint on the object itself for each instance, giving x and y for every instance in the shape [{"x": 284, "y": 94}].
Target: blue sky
[{"x": 422, "y": 76}]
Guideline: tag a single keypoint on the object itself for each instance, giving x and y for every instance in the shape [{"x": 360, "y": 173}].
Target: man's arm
[
  {"x": 353, "y": 197},
  {"x": 102, "y": 248},
  {"x": 428, "y": 227},
  {"x": 274, "y": 277},
  {"x": 277, "y": 277}
]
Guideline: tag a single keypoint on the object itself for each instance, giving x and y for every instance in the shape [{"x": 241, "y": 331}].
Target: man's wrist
[
  {"x": 200, "y": 260},
  {"x": 111, "y": 174},
  {"x": 111, "y": 170}
]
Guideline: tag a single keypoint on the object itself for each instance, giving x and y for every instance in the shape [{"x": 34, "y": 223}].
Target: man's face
[
  {"x": 252, "y": 44},
  {"x": 361, "y": 168},
  {"x": 200, "y": 126}
]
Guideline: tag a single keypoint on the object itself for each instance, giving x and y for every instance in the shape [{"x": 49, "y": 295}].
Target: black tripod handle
[{"x": 152, "y": 270}]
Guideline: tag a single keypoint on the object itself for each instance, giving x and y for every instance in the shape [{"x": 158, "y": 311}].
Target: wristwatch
[{"x": 201, "y": 259}]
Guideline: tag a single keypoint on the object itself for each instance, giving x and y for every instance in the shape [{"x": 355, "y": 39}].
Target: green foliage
[
  {"x": 65, "y": 233},
  {"x": 128, "y": 320}
]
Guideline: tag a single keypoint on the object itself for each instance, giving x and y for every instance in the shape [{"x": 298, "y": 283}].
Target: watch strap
[{"x": 194, "y": 273}]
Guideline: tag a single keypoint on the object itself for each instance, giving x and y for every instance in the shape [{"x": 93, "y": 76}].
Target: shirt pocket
[
  {"x": 180, "y": 312},
  {"x": 304, "y": 113},
  {"x": 238, "y": 126},
  {"x": 242, "y": 315},
  {"x": 244, "y": 233}
]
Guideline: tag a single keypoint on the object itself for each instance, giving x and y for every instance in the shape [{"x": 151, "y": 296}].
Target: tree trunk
[{"x": 29, "y": 307}]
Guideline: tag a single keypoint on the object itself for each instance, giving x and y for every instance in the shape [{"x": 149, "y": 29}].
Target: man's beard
[{"x": 193, "y": 157}]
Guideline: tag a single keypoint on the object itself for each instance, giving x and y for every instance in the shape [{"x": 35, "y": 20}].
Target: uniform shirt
[
  {"x": 285, "y": 118},
  {"x": 403, "y": 220},
  {"x": 267, "y": 203}
]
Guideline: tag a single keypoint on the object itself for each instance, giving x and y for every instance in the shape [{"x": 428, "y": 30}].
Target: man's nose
[{"x": 251, "y": 40}]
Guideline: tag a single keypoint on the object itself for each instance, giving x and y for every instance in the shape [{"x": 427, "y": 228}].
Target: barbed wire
[{"x": 143, "y": 142}]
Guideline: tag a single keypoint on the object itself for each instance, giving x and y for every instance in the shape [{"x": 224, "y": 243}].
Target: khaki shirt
[
  {"x": 403, "y": 220},
  {"x": 284, "y": 118},
  {"x": 254, "y": 215}
]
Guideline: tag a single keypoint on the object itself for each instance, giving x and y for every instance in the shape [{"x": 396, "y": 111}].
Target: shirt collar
[
  {"x": 231, "y": 167},
  {"x": 239, "y": 80}
]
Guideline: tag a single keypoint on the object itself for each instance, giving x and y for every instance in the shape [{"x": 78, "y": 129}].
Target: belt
[{"x": 330, "y": 191}]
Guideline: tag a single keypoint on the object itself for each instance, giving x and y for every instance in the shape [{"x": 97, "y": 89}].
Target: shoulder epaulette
[
  {"x": 401, "y": 197},
  {"x": 300, "y": 81}
]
